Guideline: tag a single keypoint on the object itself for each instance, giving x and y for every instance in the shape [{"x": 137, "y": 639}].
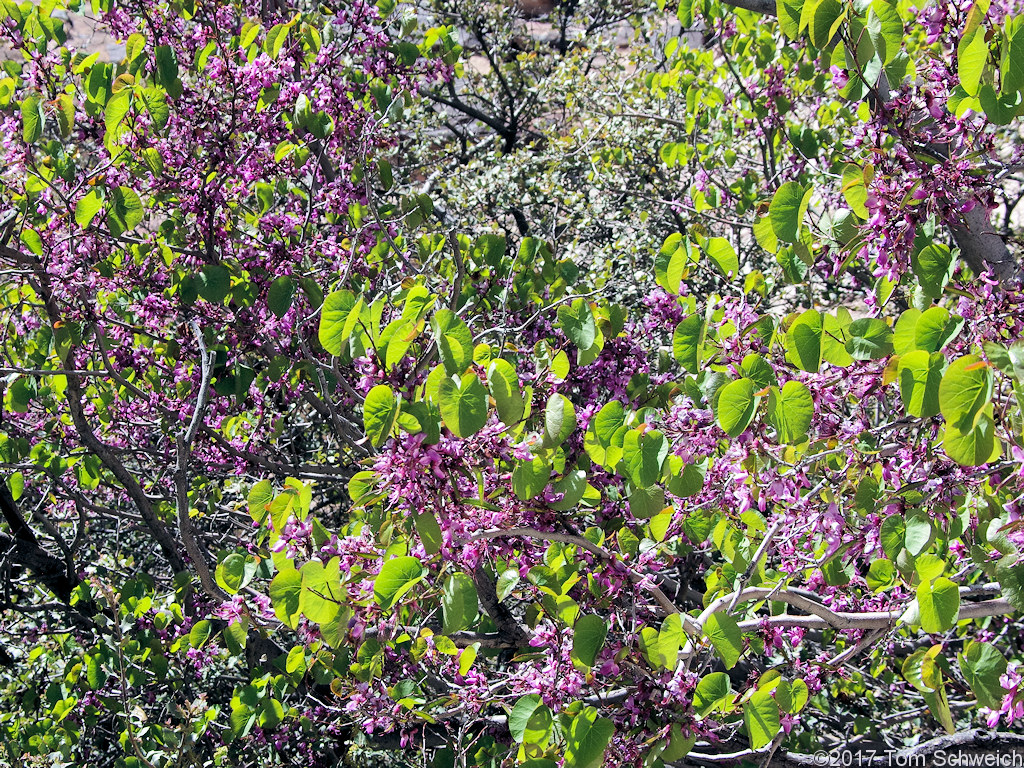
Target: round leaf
[
  {"x": 396, "y": 577},
  {"x": 737, "y": 404},
  {"x": 559, "y": 420},
  {"x": 338, "y": 320},
  {"x": 587, "y": 740},
  {"x": 503, "y": 384},
  {"x": 463, "y": 404},
  {"x": 642, "y": 456},
  {"x": 790, "y": 411},
  {"x": 688, "y": 342},
  {"x": 454, "y": 341},
  {"x": 919, "y": 374},
  {"x": 939, "y": 603},
  {"x": 577, "y": 322},
  {"x": 965, "y": 390},
  {"x": 803, "y": 341},
  {"x": 869, "y": 339},
  {"x": 588, "y": 636},
  {"x": 787, "y": 209},
  {"x": 459, "y": 602},
  {"x": 379, "y": 413}
]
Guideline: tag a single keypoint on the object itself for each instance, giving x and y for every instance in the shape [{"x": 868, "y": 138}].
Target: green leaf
[
  {"x": 762, "y": 719},
  {"x": 577, "y": 322},
  {"x": 200, "y": 633},
  {"x": 919, "y": 374},
  {"x": 765, "y": 235},
  {"x": 710, "y": 691},
  {"x": 587, "y": 739},
  {"x": 215, "y": 283},
  {"x": 939, "y": 603},
  {"x": 233, "y": 574},
  {"x": 463, "y": 404},
  {"x": 688, "y": 342},
  {"x": 588, "y": 636},
  {"x": 759, "y": 370},
  {"x": 788, "y": 14},
  {"x": 124, "y": 211},
  {"x": 822, "y": 27},
  {"x": 999, "y": 108},
  {"x": 32, "y": 118},
  {"x": 834, "y": 335},
  {"x": 855, "y": 191},
  {"x": 275, "y": 39},
  {"x": 95, "y": 675},
  {"x": 379, "y": 413},
  {"x": 725, "y": 636},
  {"x": 670, "y": 638},
  {"x": 646, "y": 502},
  {"x": 936, "y": 328},
  {"x": 271, "y": 713},
  {"x": 530, "y": 477},
  {"x": 87, "y": 207},
  {"x": 918, "y": 532},
  {"x": 259, "y": 498},
  {"x": 397, "y": 576},
  {"x": 280, "y": 294},
  {"x": 1010, "y": 574},
  {"x": 803, "y": 341},
  {"x": 242, "y": 719},
  {"x": 167, "y": 70},
  {"x": 285, "y": 591},
  {"x": 892, "y": 535},
  {"x": 503, "y": 384},
  {"x": 904, "y": 334},
  {"x": 999, "y": 356},
  {"x": 671, "y": 262},
  {"x": 974, "y": 446},
  {"x": 454, "y": 341},
  {"x": 572, "y": 486},
  {"x": 684, "y": 479},
  {"x": 338, "y": 319},
  {"x": 643, "y": 453},
  {"x": 16, "y": 484},
  {"x": 114, "y": 113},
  {"x": 395, "y": 341},
  {"x": 723, "y": 255},
  {"x": 321, "y": 590},
  {"x": 605, "y": 434},
  {"x": 965, "y": 390},
  {"x": 982, "y": 664},
  {"x": 933, "y": 267},
  {"x": 559, "y": 420},
  {"x": 459, "y": 602},
  {"x": 787, "y": 210},
  {"x": 528, "y": 710},
  {"x": 881, "y": 574},
  {"x": 65, "y": 114},
  {"x": 790, "y": 411},
  {"x": 507, "y": 583},
  {"x": 1012, "y": 68},
  {"x": 737, "y": 404},
  {"x": 972, "y": 55},
  {"x": 429, "y": 532},
  {"x": 885, "y": 28},
  {"x": 869, "y": 339}
]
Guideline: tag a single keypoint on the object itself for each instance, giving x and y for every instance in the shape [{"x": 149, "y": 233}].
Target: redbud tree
[{"x": 317, "y": 443}]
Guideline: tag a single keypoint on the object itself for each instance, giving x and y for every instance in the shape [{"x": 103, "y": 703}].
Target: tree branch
[{"x": 184, "y": 448}]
